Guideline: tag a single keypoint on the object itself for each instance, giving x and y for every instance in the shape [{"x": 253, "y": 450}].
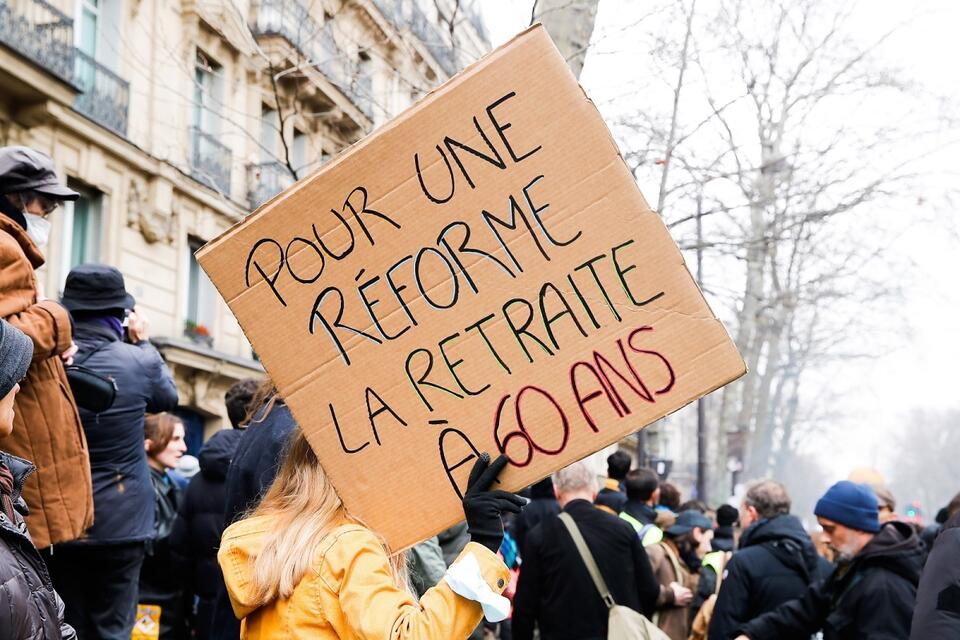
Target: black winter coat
[
  {"x": 937, "y": 614},
  {"x": 870, "y": 598},
  {"x": 30, "y": 609},
  {"x": 555, "y": 588},
  {"x": 199, "y": 525},
  {"x": 252, "y": 470},
  {"x": 122, "y": 493},
  {"x": 543, "y": 505},
  {"x": 257, "y": 460},
  {"x": 197, "y": 530},
  {"x": 160, "y": 572},
  {"x": 776, "y": 563}
]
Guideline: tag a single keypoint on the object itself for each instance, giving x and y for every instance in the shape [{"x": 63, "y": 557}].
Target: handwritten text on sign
[
  {"x": 303, "y": 254},
  {"x": 482, "y": 274}
]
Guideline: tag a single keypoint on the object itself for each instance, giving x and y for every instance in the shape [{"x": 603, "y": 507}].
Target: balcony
[
  {"x": 210, "y": 160},
  {"x": 265, "y": 180},
  {"x": 105, "y": 96},
  {"x": 430, "y": 35},
  {"x": 408, "y": 15},
  {"x": 40, "y": 32},
  {"x": 290, "y": 20}
]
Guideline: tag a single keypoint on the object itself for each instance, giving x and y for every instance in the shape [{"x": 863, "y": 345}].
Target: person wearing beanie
[
  {"x": 872, "y": 591},
  {"x": 29, "y": 605},
  {"x": 97, "y": 576},
  {"x": 723, "y": 533},
  {"x": 47, "y": 426}
]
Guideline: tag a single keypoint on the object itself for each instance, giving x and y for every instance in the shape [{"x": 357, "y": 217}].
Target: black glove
[{"x": 482, "y": 507}]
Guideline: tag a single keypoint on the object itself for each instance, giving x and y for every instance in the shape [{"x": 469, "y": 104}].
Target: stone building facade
[{"x": 176, "y": 118}]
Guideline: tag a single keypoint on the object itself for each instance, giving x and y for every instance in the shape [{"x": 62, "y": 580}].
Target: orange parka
[
  {"x": 47, "y": 429},
  {"x": 349, "y": 592}
]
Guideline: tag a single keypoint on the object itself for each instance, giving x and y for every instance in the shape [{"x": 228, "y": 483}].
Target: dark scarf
[{"x": 6, "y": 492}]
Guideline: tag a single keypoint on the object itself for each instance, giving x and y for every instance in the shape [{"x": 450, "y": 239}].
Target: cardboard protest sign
[{"x": 480, "y": 274}]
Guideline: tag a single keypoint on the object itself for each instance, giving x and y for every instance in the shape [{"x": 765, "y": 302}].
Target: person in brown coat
[
  {"x": 47, "y": 429},
  {"x": 676, "y": 559}
]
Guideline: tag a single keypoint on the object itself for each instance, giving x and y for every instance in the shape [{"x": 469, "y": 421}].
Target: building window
[
  {"x": 299, "y": 156},
  {"x": 87, "y": 35},
  {"x": 207, "y": 96},
  {"x": 269, "y": 134},
  {"x": 83, "y": 227},
  {"x": 210, "y": 158},
  {"x": 201, "y": 299}
]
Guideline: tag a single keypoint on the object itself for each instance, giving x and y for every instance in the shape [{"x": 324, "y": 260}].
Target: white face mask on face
[{"x": 38, "y": 228}]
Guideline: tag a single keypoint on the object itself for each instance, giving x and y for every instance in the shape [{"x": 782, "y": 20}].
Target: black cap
[
  {"x": 95, "y": 287},
  {"x": 26, "y": 169},
  {"x": 687, "y": 520},
  {"x": 16, "y": 352}
]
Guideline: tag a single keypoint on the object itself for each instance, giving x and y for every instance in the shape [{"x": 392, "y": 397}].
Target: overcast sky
[{"x": 922, "y": 371}]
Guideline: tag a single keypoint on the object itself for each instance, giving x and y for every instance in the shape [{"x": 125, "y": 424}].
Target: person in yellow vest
[
  {"x": 676, "y": 559},
  {"x": 643, "y": 491}
]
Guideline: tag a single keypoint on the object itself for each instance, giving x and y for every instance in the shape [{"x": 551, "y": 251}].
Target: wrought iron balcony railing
[
  {"x": 41, "y": 32},
  {"x": 105, "y": 96},
  {"x": 292, "y": 21},
  {"x": 407, "y": 14},
  {"x": 210, "y": 160},
  {"x": 265, "y": 180}
]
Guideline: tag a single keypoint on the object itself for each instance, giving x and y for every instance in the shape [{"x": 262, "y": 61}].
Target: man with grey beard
[{"x": 870, "y": 594}]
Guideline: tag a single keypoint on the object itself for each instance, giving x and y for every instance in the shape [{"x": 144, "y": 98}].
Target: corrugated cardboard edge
[{"x": 433, "y": 95}]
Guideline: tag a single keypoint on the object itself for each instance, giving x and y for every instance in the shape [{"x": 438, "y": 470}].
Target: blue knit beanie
[{"x": 852, "y": 505}]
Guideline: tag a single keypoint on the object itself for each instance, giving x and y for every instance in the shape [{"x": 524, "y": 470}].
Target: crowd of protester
[{"x": 105, "y": 524}]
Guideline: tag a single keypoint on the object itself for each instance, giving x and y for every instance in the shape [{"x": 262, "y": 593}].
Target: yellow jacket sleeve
[{"x": 357, "y": 568}]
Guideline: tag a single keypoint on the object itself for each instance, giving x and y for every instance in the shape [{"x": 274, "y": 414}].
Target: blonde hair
[{"x": 304, "y": 506}]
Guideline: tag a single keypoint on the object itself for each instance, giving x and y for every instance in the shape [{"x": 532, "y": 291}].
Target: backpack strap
[
  {"x": 674, "y": 560},
  {"x": 588, "y": 560},
  {"x": 723, "y": 565},
  {"x": 81, "y": 358}
]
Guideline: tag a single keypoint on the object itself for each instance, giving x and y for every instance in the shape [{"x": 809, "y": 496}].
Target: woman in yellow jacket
[{"x": 301, "y": 567}]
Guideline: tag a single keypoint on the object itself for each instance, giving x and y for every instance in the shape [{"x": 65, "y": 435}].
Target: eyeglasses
[{"x": 48, "y": 205}]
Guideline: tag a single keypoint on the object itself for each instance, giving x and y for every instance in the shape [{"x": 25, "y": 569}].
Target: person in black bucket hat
[
  {"x": 48, "y": 429},
  {"x": 96, "y": 288},
  {"x": 98, "y": 576},
  {"x": 28, "y": 598}
]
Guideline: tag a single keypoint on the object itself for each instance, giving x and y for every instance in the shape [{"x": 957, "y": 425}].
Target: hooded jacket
[
  {"x": 46, "y": 427},
  {"x": 937, "y": 614},
  {"x": 122, "y": 494},
  {"x": 348, "y": 592},
  {"x": 29, "y": 607},
  {"x": 871, "y": 597},
  {"x": 197, "y": 530},
  {"x": 776, "y": 563}
]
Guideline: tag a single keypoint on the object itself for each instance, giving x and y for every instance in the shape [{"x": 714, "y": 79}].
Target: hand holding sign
[{"x": 483, "y": 507}]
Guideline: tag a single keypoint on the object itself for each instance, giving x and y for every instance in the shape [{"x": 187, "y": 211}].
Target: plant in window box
[{"x": 198, "y": 333}]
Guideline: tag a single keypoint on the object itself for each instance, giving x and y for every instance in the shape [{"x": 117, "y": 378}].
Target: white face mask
[{"x": 38, "y": 228}]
